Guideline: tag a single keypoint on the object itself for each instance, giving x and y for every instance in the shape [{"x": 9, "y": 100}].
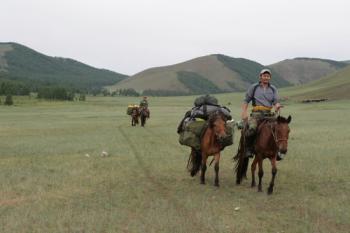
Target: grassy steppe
[{"x": 48, "y": 184}]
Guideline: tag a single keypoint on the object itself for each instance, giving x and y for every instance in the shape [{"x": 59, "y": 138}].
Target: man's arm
[
  {"x": 276, "y": 103},
  {"x": 244, "y": 114}
]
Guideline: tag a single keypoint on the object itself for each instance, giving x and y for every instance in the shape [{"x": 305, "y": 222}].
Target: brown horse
[
  {"x": 144, "y": 114},
  {"x": 272, "y": 139},
  {"x": 134, "y": 116},
  {"x": 212, "y": 136}
]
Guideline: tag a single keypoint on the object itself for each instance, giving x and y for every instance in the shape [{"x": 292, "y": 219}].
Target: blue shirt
[{"x": 263, "y": 96}]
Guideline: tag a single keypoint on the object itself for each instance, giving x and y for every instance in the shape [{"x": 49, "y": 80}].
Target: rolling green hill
[
  {"x": 334, "y": 86},
  {"x": 25, "y": 65},
  {"x": 208, "y": 74},
  {"x": 304, "y": 70}
]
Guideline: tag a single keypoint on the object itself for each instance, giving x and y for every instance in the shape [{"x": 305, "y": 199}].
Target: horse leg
[
  {"x": 204, "y": 167},
  {"x": 261, "y": 174},
  {"x": 216, "y": 167},
  {"x": 274, "y": 172},
  {"x": 253, "y": 168}
]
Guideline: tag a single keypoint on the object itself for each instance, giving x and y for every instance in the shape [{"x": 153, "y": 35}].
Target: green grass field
[{"x": 48, "y": 184}]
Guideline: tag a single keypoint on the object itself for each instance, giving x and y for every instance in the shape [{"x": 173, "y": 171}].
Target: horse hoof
[
  {"x": 259, "y": 190},
  {"x": 269, "y": 191},
  {"x": 216, "y": 185},
  {"x": 202, "y": 182}
]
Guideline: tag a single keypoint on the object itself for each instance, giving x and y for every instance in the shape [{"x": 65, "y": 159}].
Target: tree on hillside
[
  {"x": 55, "y": 93},
  {"x": 128, "y": 92},
  {"x": 82, "y": 97},
  {"x": 8, "y": 100}
]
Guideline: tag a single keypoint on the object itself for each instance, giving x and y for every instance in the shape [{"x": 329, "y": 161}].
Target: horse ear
[{"x": 289, "y": 119}]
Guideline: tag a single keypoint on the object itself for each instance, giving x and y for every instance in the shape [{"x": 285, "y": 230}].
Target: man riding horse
[
  {"x": 144, "y": 111},
  {"x": 264, "y": 97},
  {"x": 144, "y": 102}
]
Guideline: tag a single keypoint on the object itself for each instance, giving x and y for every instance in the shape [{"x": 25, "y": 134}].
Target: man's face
[{"x": 265, "y": 78}]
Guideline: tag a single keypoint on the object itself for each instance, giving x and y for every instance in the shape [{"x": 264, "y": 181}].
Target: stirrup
[{"x": 248, "y": 154}]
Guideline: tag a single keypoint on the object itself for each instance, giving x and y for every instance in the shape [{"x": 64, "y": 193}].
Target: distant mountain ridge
[
  {"x": 22, "y": 64},
  {"x": 208, "y": 74},
  {"x": 334, "y": 86},
  {"x": 303, "y": 70}
]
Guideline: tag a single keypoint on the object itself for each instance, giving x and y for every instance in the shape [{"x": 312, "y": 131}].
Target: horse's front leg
[
  {"x": 216, "y": 168},
  {"x": 204, "y": 167},
  {"x": 253, "y": 168},
  {"x": 274, "y": 172},
  {"x": 261, "y": 173}
]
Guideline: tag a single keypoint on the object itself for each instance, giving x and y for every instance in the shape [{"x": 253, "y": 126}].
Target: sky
[{"x": 129, "y": 36}]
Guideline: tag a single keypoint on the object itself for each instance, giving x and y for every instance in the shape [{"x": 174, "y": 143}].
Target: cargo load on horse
[
  {"x": 194, "y": 123},
  {"x": 130, "y": 108},
  {"x": 207, "y": 128}
]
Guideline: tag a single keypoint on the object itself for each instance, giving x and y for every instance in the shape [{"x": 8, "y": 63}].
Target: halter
[{"x": 274, "y": 134}]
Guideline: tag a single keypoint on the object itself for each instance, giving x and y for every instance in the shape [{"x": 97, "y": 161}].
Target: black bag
[
  {"x": 205, "y": 110},
  {"x": 205, "y": 99}
]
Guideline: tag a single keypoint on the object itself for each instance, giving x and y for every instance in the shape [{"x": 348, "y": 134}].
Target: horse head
[
  {"x": 134, "y": 112},
  {"x": 217, "y": 122},
  {"x": 281, "y": 133}
]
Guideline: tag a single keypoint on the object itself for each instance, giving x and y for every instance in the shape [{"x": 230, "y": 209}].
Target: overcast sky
[{"x": 128, "y": 36}]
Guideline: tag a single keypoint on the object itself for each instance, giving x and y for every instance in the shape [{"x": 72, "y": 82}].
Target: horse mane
[{"x": 215, "y": 115}]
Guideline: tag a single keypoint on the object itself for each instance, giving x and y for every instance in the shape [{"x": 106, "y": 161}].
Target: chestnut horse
[
  {"x": 144, "y": 114},
  {"x": 272, "y": 139},
  {"x": 134, "y": 116},
  {"x": 212, "y": 136}
]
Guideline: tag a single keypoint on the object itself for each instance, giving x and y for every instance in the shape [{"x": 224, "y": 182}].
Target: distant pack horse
[
  {"x": 134, "y": 116},
  {"x": 211, "y": 139},
  {"x": 272, "y": 139}
]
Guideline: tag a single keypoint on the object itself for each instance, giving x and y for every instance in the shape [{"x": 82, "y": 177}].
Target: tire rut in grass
[{"x": 160, "y": 188}]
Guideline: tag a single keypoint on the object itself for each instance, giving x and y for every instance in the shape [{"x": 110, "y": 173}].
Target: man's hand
[
  {"x": 277, "y": 107},
  {"x": 244, "y": 115}
]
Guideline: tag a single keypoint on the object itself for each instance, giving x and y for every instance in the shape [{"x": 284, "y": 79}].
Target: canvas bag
[{"x": 191, "y": 132}]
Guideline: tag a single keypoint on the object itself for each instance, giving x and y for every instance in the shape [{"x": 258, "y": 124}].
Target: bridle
[{"x": 274, "y": 133}]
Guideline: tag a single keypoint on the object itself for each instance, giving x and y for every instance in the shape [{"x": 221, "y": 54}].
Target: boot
[{"x": 249, "y": 146}]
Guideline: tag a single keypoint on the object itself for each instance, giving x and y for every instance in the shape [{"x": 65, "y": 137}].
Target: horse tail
[
  {"x": 241, "y": 161},
  {"x": 194, "y": 162}
]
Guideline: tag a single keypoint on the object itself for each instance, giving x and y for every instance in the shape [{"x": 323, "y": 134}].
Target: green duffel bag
[
  {"x": 190, "y": 136},
  {"x": 228, "y": 140}
]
